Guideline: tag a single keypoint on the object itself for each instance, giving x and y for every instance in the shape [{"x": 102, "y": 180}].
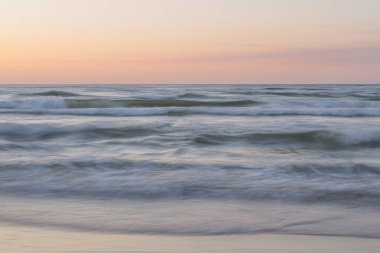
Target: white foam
[{"x": 350, "y": 137}]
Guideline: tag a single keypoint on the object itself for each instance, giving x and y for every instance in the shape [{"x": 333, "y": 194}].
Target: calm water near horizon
[{"x": 192, "y": 160}]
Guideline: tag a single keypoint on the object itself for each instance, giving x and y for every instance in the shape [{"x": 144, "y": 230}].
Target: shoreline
[{"x": 26, "y": 239}]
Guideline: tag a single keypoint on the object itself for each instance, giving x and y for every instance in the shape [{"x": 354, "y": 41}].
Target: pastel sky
[{"x": 189, "y": 41}]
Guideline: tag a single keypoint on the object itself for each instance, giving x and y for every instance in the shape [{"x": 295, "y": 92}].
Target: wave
[
  {"x": 55, "y": 102},
  {"x": 298, "y": 94},
  {"x": 48, "y": 102},
  {"x": 323, "y": 138},
  {"x": 182, "y": 107},
  {"x": 337, "y": 169},
  {"x": 59, "y": 108},
  {"x": 193, "y": 95},
  {"x": 336, "y": 112},
  {"x": 55, "y": 93},
  {"x": 117, "y": 112},
  {"x": 44, "y": 132},
  {"x": 139, "y": 180},
  {"x": 185, "y": 95},
  {"x": 282, "y": 92},
  {"x": 106, "y": 103},
  {"x": 343, "y": 138}
]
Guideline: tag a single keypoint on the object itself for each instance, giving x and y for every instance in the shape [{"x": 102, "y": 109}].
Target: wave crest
[
  {"x": 45, "y": 132},
  {"x": 54, "y": 93},
  {"x": 103, "y": 103},
  {"x": 324, "y": 138}
]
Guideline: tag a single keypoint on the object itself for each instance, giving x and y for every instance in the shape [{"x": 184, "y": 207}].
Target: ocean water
[{"x": 192, "y": 160}]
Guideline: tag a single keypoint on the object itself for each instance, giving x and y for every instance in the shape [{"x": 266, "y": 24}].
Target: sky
[{"x": 192, "y": 42}]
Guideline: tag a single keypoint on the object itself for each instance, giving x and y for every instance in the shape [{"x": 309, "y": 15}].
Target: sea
[{"x": 195, "y": 160}]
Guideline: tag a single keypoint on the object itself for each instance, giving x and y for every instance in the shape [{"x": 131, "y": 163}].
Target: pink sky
[{"x": 198, "y": 41}]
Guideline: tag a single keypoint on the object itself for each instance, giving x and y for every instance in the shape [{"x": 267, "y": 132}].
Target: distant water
[{"x": 200, "y": 160}]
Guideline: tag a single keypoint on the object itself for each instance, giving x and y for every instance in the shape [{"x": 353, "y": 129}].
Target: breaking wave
[
  {"x": 39, "y": 132},
  {"x": 54, "y": 102},
  {"x": 190, "y": 153},
  {"x": 314, "y": 139},
  {"x": 294, "y": 183},
  {"x": 48, "y": 102},
  {"x": 54, "y": 93},
  {"x": 323, "y": 138},
  {"x": 101, "y": 103}
]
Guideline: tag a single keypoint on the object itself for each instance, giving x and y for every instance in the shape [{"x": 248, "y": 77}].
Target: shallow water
[{"x": 192, "y": 159}]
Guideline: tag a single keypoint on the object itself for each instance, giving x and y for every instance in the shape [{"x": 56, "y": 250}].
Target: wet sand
[{"x": 21, "y": 239}]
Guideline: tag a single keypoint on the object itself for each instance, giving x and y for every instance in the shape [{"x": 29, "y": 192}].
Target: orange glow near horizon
[{"x": 210, "y": 41}]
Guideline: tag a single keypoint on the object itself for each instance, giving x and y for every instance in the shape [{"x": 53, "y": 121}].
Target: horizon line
[{"x": 189, "y": 84}]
